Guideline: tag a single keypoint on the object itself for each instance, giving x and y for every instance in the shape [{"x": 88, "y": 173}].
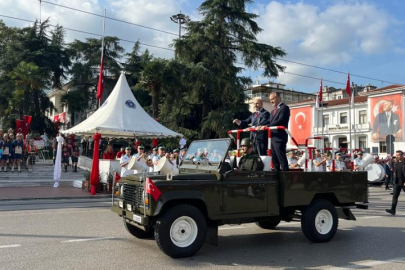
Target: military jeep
[{"x": 183, "y": 211}]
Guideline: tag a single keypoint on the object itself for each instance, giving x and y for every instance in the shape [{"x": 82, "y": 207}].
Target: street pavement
[{"x": 60, "y": 235}]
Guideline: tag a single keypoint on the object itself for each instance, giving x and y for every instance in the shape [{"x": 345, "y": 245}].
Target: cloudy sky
[{"x": 365, "y": 38}]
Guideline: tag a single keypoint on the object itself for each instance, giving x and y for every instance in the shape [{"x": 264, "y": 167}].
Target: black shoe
[
  {"x": 392, "y": 193},
  {"x": 390, "y": 211}
]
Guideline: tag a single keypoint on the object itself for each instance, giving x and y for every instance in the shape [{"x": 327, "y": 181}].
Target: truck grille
[{"x": 133, "y": 195}]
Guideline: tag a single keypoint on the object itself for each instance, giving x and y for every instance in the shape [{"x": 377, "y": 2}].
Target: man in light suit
[
  {"x": 280, "y": 116},
  {"x": 258, "y": 118},
  {"x": 387, "y": 126}
]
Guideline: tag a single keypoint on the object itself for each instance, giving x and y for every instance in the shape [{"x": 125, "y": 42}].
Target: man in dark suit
[
  {"x": 258, "y": 118},
  {"x": 399, "y": 180},
  {"x": 280, "y": 116},
  {"x": 387, "y": 126}
]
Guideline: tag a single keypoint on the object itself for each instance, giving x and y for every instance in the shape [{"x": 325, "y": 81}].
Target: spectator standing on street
[
  {"x": 65, "y": 156},
  {"x": 18, "y": 146},
  {"x": 5, "y": 146},
  {"x": 387, "y": 167},
  {"x": 399, "y": 180},
  {"x": 120, "y": 153},
  {"x": 109, "y": 153},
  {"x": 31, "y": 155},
  {"x": 75, "y": 156}
]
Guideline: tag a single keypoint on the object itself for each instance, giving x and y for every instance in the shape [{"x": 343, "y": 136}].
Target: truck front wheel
[
  {"x": 137, "y": 232},
  {"x": 319, "y": 221},
  {"x": 181, "y": 231}
]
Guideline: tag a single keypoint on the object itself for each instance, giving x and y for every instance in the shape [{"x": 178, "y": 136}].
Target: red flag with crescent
[{"x": 301, "y": 123}]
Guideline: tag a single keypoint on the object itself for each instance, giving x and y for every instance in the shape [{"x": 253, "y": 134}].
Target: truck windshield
[{"x": 211, "y": 150}]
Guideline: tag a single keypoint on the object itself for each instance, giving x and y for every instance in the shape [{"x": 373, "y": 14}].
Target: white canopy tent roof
[{"x": 121, "y": 116}]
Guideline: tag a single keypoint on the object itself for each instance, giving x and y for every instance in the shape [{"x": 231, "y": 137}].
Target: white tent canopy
[{"x": 121, "y": 116}]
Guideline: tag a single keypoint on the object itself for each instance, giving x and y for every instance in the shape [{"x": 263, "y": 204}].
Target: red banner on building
[{"x": 301, "y": 123}]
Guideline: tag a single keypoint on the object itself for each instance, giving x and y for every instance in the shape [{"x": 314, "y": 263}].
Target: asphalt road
[{"x": 87, "y": 235}]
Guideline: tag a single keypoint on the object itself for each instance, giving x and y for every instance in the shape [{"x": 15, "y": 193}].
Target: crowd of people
[
  {"x": 16, "y": 150},
  {"x": 149, "y": 159}
]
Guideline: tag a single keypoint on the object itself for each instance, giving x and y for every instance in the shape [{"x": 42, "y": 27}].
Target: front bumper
[{"x": 138, "y": 218}]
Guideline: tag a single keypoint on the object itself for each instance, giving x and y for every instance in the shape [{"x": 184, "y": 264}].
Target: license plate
[{"x": 137, "y": 219}]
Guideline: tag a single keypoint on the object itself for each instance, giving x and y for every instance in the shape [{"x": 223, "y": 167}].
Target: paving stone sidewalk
[{"x": 46, "y": 192}]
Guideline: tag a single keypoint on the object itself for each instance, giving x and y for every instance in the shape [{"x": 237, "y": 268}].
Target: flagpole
[
  {"x": 354, "y": 116},
  {"x": 102, "y": 46}
]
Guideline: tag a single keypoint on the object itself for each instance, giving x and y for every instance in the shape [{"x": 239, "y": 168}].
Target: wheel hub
[
  {"x": 323, "y": 221},
  {"x": 183, "y": 231}
]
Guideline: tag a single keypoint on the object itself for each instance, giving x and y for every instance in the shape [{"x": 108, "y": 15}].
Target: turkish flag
[
  {"x": 117, "y": 177},
  {"x": 95, "y": 174},
  {"x": 301, "y": 124},
  {"x": 100, "y": 86},
  {"x": 26, "y": 124},
  {"x": 152, "y": 189},
  {"x": 18, "y": 125},
  {"x": 348, "y": 89}
]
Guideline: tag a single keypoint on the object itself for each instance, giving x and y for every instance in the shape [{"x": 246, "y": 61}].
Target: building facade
[
  {"x": 374, "y": 122},
  {"x": 263, "y": 91}
]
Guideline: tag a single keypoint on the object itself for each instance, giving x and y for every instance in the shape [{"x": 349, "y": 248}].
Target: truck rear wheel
[
  {"x": 319, "y": 221},
  {"x": 137, "y": 232},
  {"x": 181, "y": 231},
  {"x": 268, "y": 224}
]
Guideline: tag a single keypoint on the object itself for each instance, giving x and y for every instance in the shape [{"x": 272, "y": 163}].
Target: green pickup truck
[{"x": 183, "y": 211}]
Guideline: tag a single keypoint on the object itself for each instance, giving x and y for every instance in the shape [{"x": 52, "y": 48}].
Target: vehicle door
[{"x": 244, "y": 192}]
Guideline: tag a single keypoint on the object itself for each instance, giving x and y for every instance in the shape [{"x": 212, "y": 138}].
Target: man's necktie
[
  {"x": 274, "y": 111},
  {"x": 256, "y": 114}
]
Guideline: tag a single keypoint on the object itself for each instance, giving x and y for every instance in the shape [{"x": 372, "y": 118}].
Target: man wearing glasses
[{"x": 259, "y": 118}]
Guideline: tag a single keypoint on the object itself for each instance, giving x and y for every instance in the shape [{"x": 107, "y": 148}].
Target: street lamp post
[{"x": 180, "y": 19}]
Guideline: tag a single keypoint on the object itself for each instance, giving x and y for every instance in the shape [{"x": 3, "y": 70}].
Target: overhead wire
[
  {"x": 89, "y": 33},
  {"x": 285, "y": 60},
  {"x": 162, "y": 31},
  {"x": 110, "y": 18}
]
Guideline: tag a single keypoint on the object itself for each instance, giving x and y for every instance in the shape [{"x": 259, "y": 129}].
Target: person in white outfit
[
  {"x": 319, "y": 162},
  {"x": 125, "y": 159}
]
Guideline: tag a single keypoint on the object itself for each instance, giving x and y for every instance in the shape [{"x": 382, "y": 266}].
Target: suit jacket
[
  {"x": 280, "y": 118},
  {"x": 381, "y": 124},
  {"x": 261, "y": 120},
  {"x": 401, "y": 179}
]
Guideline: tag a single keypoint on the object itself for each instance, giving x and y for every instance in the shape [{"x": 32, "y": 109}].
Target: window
[
  {"x": 383, "y": 147},
  {"x": 362, "y": 142},
  {"x": 362, "y": 117},
  {"x": 325, "y": 120},
  {"x": 343, "y": 118}
]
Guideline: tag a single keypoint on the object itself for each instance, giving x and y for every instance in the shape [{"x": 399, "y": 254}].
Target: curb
[{"x": 59, "y": 198}]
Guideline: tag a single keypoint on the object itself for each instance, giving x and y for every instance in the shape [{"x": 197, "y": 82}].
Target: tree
[
  {"x": 152, "y": 78},
  {"x": 225, "y": 36}
]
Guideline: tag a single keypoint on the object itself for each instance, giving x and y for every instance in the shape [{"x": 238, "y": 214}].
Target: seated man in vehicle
[{"x": 250, "y": 161}]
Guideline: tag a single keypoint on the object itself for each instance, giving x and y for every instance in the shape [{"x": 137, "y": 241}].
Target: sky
[{"x": 364, "y": 38}]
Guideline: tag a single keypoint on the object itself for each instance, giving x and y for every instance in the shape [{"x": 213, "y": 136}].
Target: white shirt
[
  {"x": 339, "y": 165},
  {"x": 124, "y": 169},
  {"x": 318, "y": 168},
  {"x": 357, "y": 162},
  {"x": 154, "y": 159},
  {"x": 328, "y": 165}
]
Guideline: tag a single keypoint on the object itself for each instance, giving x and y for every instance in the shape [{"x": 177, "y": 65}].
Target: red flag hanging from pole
[
  {"x": 320, "y": 93},
  {"x": 100, "y": 86},
  {"x": 18, "y": 126},
  {"x": 348, "y": 90}
]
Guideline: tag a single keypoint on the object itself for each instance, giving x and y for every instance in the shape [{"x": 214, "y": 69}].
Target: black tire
[
  {"x": 138, "y": 233},
  {"x": 181, "y": 231},
  {"x": 268, "y": 224},
  {"x": 319, "y": 221}
]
